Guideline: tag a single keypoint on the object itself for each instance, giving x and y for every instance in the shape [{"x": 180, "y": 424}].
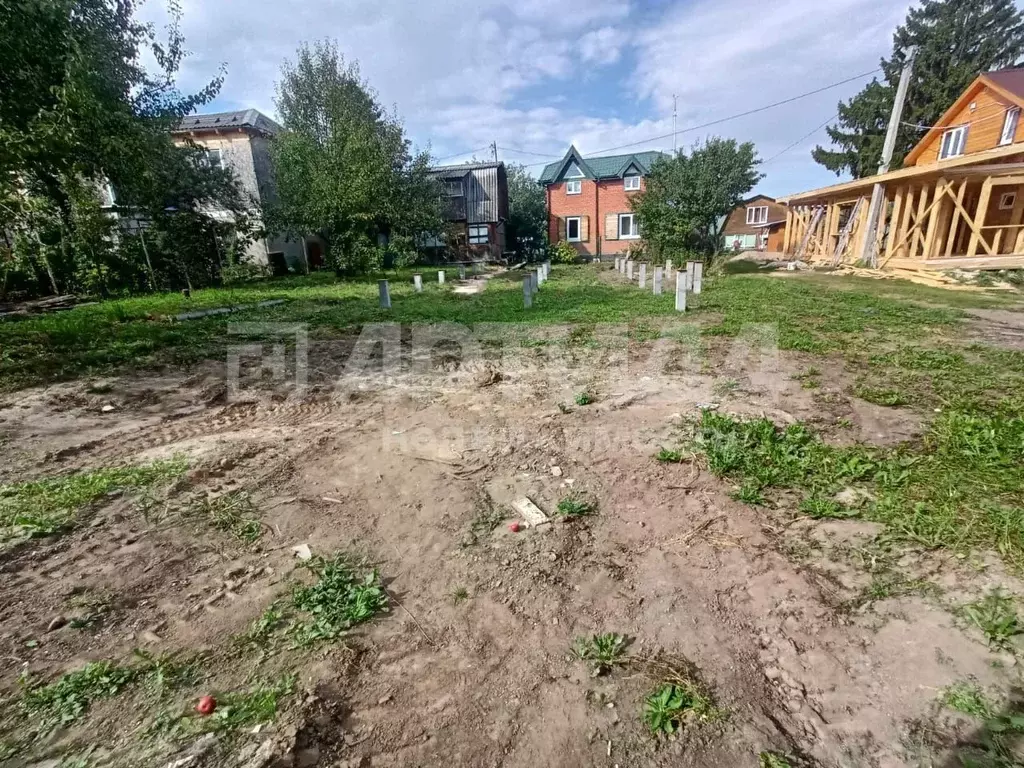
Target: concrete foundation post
[
  {"x": 385, "y": 295},
  {"x": 681, "y": 291}
]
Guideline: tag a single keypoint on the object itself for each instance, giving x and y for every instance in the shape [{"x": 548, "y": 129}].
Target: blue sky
[{"x": 537, "y": 75}]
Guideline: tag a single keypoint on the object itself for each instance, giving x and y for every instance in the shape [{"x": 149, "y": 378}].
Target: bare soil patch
[{"x": 472, "y": 664}]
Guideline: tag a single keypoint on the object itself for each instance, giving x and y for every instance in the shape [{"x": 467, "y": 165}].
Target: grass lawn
[{"x": 813, "y": 313}]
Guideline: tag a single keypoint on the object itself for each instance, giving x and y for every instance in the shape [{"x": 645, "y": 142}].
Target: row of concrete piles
[{"x": 689, "y": 278}]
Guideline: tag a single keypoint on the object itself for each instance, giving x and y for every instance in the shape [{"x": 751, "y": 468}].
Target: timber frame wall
[{"x": 946, "y": 217}]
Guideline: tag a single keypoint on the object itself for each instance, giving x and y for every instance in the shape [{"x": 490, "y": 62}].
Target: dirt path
[{"x": 770, "y": 612}]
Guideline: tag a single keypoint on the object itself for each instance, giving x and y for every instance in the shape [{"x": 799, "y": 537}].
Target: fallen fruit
[
  {"x": 206, "y": 705},
  {"x": 514, "y": 527}
]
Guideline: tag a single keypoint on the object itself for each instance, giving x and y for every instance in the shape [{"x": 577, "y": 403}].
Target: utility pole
[
  {"x": 868, "y": 252},
  {"x": 494, "y": 149},
  {"x": 675, "y": 115}
]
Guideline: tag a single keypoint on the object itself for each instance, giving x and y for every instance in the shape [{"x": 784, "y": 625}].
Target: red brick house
[
  {"x": 588, "y": 200},
  {"x": 756, "y": 224}
]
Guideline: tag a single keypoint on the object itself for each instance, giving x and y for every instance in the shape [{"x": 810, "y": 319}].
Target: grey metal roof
[{"x": 246, "y": 119}]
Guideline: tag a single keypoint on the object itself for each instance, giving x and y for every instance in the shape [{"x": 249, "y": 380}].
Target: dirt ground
[{"x": 767, "y": 610}]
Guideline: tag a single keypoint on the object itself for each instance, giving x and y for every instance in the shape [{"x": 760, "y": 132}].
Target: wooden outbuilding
[{"x": 958, "y": 202}]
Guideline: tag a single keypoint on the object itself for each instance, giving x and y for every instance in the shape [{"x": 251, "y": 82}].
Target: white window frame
[
  {"x": 474, "y": 234},
  {"x": 579, "y": 229},
  {"x": 574, "y": 187},
  {"x": 1007, "y": 200},
  {"x": 454, "y": 188},
  {"x": 1009, "y": 126},
  {"x": 631, "y": 183},
  {"x": 759, "y": 217},
  {"x": 953, "y": 142},
  {"x": 579, "y": 172},
  {"x": 212, "y": 153},
  {"x": 634, "y": 227}
]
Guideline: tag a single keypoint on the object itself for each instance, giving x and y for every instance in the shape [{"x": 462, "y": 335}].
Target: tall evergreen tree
[{"x": 956, "y": 41}]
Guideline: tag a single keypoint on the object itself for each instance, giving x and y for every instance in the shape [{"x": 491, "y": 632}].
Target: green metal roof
[{"x": 608, "y": 167}]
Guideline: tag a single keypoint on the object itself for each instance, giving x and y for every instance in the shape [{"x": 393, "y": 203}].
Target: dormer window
[
  {"x": 954, "y": 142},
  {"x": 757, "y": 214},
  {"x": 574, "y": 172}
]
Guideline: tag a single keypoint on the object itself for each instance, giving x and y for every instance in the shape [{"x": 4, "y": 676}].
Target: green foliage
[
  {"x": 576, "y": 504},
  {"x": 962, "y": 487},
  {"x": 44, "y": 507},
  {"x": 668, "y": 456},
  {"x": 687, "y": 194},
  {"x": 263, "y": 627},
  {"x": 772, "y": 760},
  {"x": 968, "y": 698},
  {"x": 232, "y": 513},
  {"x": 67, "y": 698},
  {"x": 996, "y": 616},
  {"x": 338, "y": 600},
  {"x": 749, "y": 493},
  {"x": 602, "y": 651},
  {"x": 526, "y": 229},
  {"x": 87, "y": 114},
  {"x": 583, "y": 398},
  {"x": 956, "y": 40},
  {"x": 672, "y": 704},
  {"x": 562, "y": 252},
  {"x": 459, "y": 595},
  {"x": 344, "y": 168},
  {"x": 244, "y": 709}
]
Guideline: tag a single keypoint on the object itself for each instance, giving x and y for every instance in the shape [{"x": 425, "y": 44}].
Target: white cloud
[
  {"x": 537, "y": 75},
  {"x": 603, "y": 46}
]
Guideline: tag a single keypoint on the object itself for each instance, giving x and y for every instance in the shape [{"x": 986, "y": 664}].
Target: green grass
[
  {"x": 576, "y": 504},
  {"x": 968, "y": 698},
  {"x": 44, "y": 507},
  {"x": 601, "y": 652},
  {"x": 245, "y": 709},
  {"x": 814, "y": 313},
  {"x": 669, "y": 456},
  {"x": 233, "y": 513},
  {"x": 772, "y": 760},
  {"x": 961, "y": 487},
  {"x": 459, "y": 595},
  {"x": 996, "y": 616},
  {"x": 263, "y": 628},
  {"x": 341, "y": 597},
  {"x": 67, "y": 698}
]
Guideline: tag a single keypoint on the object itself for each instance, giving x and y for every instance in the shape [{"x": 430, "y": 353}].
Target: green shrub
[{"x": 562, "y": 253}]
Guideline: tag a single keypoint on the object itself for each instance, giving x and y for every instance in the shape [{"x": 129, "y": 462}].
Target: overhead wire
[{"x": 799, "y": 141}]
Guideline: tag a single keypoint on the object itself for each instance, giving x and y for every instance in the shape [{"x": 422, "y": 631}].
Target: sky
[{"x": 535, "y": 76}]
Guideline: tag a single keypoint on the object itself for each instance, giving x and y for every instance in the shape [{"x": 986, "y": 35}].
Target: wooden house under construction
[{"x": 958, "y": 202}]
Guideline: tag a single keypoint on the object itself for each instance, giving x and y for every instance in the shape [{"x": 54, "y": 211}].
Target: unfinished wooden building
[{"x": 958, "y": 202}]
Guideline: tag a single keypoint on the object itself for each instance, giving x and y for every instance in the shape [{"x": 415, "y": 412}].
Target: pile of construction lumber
[{"x": 920, "y": 276}]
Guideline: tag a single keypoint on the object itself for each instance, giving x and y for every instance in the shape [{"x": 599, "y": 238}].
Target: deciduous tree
[
  {"x": 343, "y": 166},
  {"x": 686, "y": 195},
  {"x": 526, "y": 230}
]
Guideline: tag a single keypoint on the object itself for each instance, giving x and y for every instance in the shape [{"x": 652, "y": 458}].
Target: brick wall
[{"x": 595, "y": 204}]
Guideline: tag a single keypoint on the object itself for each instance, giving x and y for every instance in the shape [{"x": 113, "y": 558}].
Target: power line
[
  {"x": 462, "y": 154},
  {"x": 738, "y": 115},
  {"x": 527, "y": 152},
  {"x": 799, "y": 141}
]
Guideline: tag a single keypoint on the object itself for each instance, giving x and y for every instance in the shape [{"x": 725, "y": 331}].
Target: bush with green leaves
[{"x": 562, "y": 253}]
